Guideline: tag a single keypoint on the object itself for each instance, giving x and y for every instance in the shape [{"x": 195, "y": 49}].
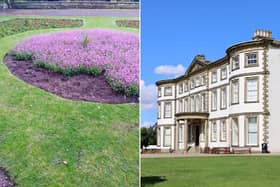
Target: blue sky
[{"x": 173, "y": 32}]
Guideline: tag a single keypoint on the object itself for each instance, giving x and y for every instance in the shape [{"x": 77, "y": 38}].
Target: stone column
[
  {"x": 206, "y": 132},
  {"x": 186, "y": 135},
  {"x": 177, "y": 136}
]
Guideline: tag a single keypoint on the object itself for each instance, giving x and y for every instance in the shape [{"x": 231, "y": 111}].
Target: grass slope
[
  {"x": 211, "y": 171},
  {"x": 38, "y": 131}
]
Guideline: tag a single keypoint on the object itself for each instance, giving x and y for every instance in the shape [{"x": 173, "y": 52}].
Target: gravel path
[
  {"x": 5, "y": 180},
  {"x": 72, "y": 12}
]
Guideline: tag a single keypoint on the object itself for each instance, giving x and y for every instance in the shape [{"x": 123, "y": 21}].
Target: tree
[{"x": 148, "y": 136}]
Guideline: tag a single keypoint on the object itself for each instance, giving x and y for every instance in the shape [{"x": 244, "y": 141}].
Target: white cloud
[
  {"x": 147, "y": 124},
  {"x": 170, "y": 70},
  {"x": 148, "y": 96}
]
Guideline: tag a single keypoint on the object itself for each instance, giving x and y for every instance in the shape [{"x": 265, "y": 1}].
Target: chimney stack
[{"x": 262, "y": 34}]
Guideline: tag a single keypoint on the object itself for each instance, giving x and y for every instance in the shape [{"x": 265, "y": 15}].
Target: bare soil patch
[{"x": 79, "y": 87}]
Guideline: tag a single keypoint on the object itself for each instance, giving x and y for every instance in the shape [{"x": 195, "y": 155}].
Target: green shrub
[
  {"x": 132, "y": 91},
  {"x": 24, "y": 56}
]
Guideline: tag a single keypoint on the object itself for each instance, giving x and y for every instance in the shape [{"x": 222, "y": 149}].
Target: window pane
[
  {"x": 252, "y": 90},
  {"x": 167, "y": 137},
  {"x": 235, "y": 131}
]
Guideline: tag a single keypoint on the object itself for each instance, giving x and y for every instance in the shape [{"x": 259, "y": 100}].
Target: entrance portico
[{"x": 191, "y": 128}]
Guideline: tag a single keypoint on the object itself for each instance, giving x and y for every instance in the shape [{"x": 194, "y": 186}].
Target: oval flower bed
[{"x": 93, "y": 52}]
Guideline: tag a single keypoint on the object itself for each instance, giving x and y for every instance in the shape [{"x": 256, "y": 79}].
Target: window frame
[
  {"x": 237, "y": 119},
  {"x": 159, "y": 110},
  {"x": 221, "y": 98},
  {"x": 235, "y": 68},
  {"x": 164, "y": 114},
  {"x": 186, "y": 86},
  {"x": 164, "y": 135},
  {"x": 221, "y": 75},
  {"x": 159, "y": 91},
  {"x": 222, "y": 130},
  {"x": 203, "y": 101},
  {"x": 181, "y": 88},
  {"x": 165, "y": 92},
  {"x": 247, "y": 130},
  {"x": 246, "y": 64},
  {"x": 216, "y": 72},
  {"x": 212, "y": 100},
  {"x": 232, "y": 92},
  {"x": 246, "y": 89},
  {"x": 212, "y": 131}
]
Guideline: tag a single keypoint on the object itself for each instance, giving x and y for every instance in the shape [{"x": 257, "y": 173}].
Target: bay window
[
  {"x": 251, "y": 59},
  {"x": 214, "y": 100},
  {"x": 168, "y": 91},
  {"x": 214, "y": 131},
  {"x": 235, "y": 132},
  {"x": 224, "y": 97},
  {"x": 235, "y": 62},
  {"x": 167, "y": 136},
  {"x": 251, "y": 89},
  {"x": 235, "y": 91},
  {"x": 223, "y": 129},
  {"x": 167, "y": 110},
  {"x": 252, "y": 131}
]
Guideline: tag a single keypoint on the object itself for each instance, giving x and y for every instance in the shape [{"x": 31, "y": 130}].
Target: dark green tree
[{"x": 148, "y": 136}]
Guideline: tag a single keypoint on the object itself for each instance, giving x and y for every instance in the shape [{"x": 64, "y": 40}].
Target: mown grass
[
  {"x": 211, "y": 171},
  {"x": 49, "y": 141}
]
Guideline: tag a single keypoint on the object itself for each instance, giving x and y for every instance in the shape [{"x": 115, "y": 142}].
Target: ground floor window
[
  {"x": 167, "y": 136},
  {"x": 214, "y": 131},
  {"x": 235, "y": 132},
  {"x": 252, "y": 131},
  {"x": 181, "y": 133},
  {"x": 158, "y": 136},
  {"x": 223, "y": 130}
]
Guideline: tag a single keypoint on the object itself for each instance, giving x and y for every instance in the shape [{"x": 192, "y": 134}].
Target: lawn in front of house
[
  {"x": 49, "y": 141},
  {"x": 235, "y": 171}
]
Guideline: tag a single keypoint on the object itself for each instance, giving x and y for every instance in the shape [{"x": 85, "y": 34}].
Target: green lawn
[
  {"x": 49, "y": 141},
  {"x": 233, "y": 171}
]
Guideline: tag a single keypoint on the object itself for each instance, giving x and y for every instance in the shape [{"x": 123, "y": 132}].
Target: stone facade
[{"x": 225, "y": 103}]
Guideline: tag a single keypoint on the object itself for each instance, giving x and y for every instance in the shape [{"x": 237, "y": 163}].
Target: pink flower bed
[{"x": 115, "y": 52}]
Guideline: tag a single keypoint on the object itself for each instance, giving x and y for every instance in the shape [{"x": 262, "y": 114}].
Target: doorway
[{"x": 197, "y": 132}]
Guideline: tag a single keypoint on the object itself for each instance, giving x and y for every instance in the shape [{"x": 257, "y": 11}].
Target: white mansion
[{"x": 231, "y": 102}]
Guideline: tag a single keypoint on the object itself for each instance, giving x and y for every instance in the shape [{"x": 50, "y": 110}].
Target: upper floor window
[
  {"x": 214, "y": 76},
  {"x": 168, "y": 91},
  {"x": 159, "y": 92},
  {"x": 192, "y": 104},
  {"x": 224, "y": 97},
  {"x": 192, "y": 83},
  {"x": 214, "y": 100},
  {"x": 203, "y": 80},
  {"x": 224, "y": 73},
  {"x": 167, "y": 110},
  {"x": 159, "y": 110},
  {"x": 235, "y": 91},
  {"x": 251, "y": 59},
  {"x": 186, "y": 88},
  {"x": 251, "y": 89},
  {"x": 186, "y": 105},
  {"x": 235, "y": 62},
  {"x": 203, "y": 102},
  {"x": 197, "y": 81},
  {"x": 180, "y": 88},
  {"x": 223, "y": 129},
  {"x": 180, "y": 105},
  {"x": 197, "y": 103},
  {"x": 214, "y": 131}
]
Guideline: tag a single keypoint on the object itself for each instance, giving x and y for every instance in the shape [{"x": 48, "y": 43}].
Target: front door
[{"x": 197, "y": 135}]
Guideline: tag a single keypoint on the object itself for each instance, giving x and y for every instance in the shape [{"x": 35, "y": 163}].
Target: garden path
[{"x": 72, "y": 12}]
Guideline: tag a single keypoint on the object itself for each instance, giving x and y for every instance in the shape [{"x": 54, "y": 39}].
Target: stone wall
[{"x": 113, "y": 4}]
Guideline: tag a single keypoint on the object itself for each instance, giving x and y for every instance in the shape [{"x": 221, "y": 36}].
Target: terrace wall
[{"x": 111, "y": 4}]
